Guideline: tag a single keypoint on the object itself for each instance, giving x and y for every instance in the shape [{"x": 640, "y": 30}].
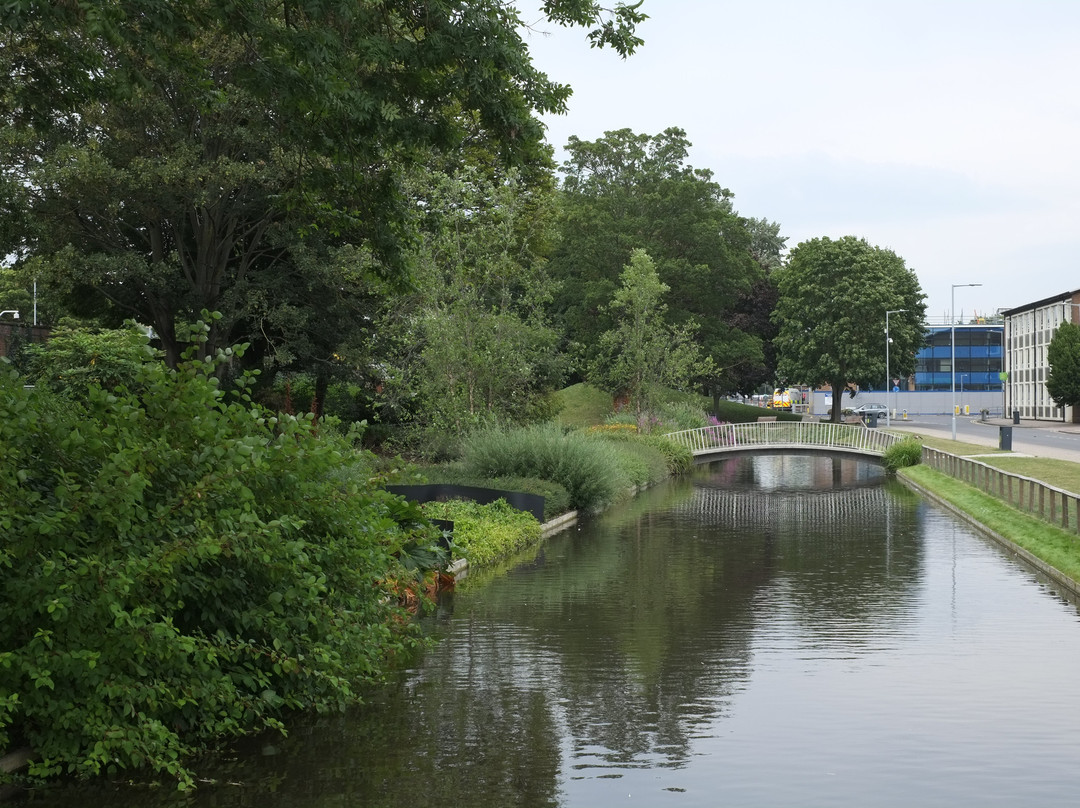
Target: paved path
[{"x": 1052, "y": 439}]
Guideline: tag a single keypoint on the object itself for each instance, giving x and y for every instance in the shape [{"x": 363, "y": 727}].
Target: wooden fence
[{"x": 1053, "y": 505}]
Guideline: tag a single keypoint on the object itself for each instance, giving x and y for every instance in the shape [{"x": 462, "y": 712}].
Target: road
[{"x": 1038, "y": 438}]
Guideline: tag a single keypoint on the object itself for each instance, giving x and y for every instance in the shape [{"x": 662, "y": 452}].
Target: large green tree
[
  {"x": 831, "y": 315},
  {"x": 158, "y": 159},
  {"x": 1063, "y": 356},
  {"x": 627, "y": 191}
]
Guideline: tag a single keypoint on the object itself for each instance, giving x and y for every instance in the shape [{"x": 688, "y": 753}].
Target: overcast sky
[{"x": 947, "y": 131}]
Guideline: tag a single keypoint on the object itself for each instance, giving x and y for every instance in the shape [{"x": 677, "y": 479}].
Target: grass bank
[{"x": 1051, "y": 545}]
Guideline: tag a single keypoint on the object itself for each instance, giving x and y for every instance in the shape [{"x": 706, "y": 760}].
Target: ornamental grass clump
[
  {"x": 591, "y": 470},
  {"x": 902, "y": 454}
]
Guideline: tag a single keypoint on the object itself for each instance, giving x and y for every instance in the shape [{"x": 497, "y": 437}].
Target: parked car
[{"x": 869, "y": 407}]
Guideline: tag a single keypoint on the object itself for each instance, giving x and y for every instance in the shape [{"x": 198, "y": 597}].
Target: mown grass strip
[
  {"x": 1058, "y": 473},
  {"x": 957, "y": 447},
  {"x": 1054, "y": 546}
]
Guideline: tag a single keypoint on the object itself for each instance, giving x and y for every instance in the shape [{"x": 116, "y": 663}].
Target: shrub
[
  {"x": 907, "y": 452},
  {"x": 177, "y": 567},
  {"x": 590, "y": 470},
  {"x": 485, "y": 533},
  {"x": 73, "y": 359}
]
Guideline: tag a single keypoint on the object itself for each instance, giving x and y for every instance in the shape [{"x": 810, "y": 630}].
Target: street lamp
[
  {"x": 952, "y": 349},
  {"x": 14, "y": 314},
  {"x": 888, "y": 376}
]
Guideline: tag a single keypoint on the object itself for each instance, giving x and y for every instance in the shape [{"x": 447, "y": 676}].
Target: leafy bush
[
  {"x": 176, "y": 568},
  {"x": 590, "y": 470},
  {"x": 907, "y": 452},
  {"x": 485, "y": 533},
  {"x": 75, "y": 358}
]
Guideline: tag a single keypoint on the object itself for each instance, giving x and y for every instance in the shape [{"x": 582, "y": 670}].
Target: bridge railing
[{"x": 733, "y": 437}]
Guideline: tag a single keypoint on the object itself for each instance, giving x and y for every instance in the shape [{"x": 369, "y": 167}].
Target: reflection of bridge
[
  {"x": 752, "y": 511},
  {"x": 784, "y": 437}
]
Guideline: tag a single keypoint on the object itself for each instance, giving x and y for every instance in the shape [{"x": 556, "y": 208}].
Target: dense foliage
[
  {"x": 158, "y": 159},
  {"x": 178, "y": 566},
  {"x": 470, "y": 343},
  {"x": 831, "y": 316},
  {"x": 628, "y": 191}
]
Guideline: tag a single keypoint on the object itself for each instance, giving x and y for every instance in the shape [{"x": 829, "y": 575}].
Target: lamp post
[
  {"x": 952, "y": 349},
  {"x": 14, "y": 314},
  {"x": 888, "y": 376}
]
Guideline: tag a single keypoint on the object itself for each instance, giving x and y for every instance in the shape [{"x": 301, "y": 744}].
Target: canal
[{"x": 773, "y": 631}]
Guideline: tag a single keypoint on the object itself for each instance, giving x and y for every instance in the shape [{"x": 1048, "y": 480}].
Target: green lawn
[{"x": 1058, "y": 473}]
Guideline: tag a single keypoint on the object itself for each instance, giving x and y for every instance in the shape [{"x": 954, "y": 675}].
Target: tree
[
  {"x": 158, "y": 159},
  {"x": 471, "y": 343},
  {"x": 831, "y": 315},
  {"x": 627, "y": 191},
  {"x": 1063, "y": 356},
  {"x": 643, "y": 352}
]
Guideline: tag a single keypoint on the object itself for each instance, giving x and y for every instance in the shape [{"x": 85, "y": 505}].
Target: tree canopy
[
  {"x": 831, "y": 315},
  {"x": 159, "y": 159},
  {"x": 628, "y": 191},
  {"x": 1063, "y": 356}
]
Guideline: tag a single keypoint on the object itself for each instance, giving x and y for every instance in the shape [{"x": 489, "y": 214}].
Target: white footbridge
[{"x": 785, "y": 437}]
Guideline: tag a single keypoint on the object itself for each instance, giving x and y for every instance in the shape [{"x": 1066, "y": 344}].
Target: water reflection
[{"x": 776, "y": 630}]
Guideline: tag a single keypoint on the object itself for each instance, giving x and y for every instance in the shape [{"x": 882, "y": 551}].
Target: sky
[{"x": 946, "y": 131}]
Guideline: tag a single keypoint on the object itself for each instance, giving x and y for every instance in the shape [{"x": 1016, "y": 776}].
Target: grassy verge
[
  {"x": 1058, "y": 473},
  {"x": 1056, "y": 547},
  {"x": 956, "y": 447}
]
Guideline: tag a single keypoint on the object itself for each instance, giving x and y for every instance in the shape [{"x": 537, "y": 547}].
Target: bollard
[
  {"x": 967, "y": 409},
  {"x": 1005, "y": 438},
  {"x": 905, "y": 415}
]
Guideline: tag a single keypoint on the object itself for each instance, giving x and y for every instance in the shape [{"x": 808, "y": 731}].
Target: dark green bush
[
  {"x": 176, "y": 568},
  {"x": 732, "y": 412}
]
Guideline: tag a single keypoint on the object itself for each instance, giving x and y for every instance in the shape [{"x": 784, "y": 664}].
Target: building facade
[
  {"x": 978, "y": 353},
  {"x": 1028, "y": 331}
]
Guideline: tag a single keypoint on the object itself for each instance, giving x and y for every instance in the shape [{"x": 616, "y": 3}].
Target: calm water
[{"x": 776, "y": 631}]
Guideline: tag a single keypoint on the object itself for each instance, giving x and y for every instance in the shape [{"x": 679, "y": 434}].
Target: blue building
[{"x": 979, "y": 359}]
